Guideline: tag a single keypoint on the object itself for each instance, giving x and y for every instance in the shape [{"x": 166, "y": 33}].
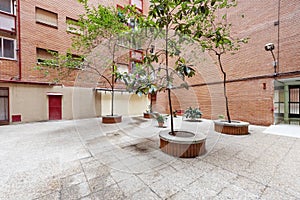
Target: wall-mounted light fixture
[{"x": 271, "y": 47}]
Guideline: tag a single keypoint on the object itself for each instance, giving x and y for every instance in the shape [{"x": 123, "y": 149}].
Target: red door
[{"x": 55, "y": 107}]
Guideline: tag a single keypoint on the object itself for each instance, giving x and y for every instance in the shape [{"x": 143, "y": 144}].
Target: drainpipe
[
  {"x": 19, "y": 38},
  {"x": 278, "y": 36},
  {"x": 286, "y": 103}
]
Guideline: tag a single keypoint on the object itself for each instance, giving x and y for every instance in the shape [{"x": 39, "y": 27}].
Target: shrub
[{"x": 192, "y": 113}]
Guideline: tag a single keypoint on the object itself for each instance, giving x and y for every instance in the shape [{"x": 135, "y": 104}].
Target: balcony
[{"x": 7, "y": 22}]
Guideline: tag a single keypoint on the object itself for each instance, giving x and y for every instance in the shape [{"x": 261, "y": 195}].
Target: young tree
[
  {"x": 161, "y": 21},
  {"x": 201, "y": 21},
  {"x": 96, "y": 26},
  {"x": 206, "y": 22}
]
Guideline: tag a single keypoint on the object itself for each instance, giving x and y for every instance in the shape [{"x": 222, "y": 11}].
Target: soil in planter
[
  {"x": 232, "y": 121},
  {"x": 193, "y": 120},
  {"x": 184, "y": 134}
]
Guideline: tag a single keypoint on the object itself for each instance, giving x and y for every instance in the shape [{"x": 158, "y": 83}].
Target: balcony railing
[{"x": 7, "y": 22}]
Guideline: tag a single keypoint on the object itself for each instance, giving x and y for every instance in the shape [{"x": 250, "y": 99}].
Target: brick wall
[
  {"x": 248, "y": 100},
  {"x": 9, "y": 69},
  {"x": 34, "y": 35}
]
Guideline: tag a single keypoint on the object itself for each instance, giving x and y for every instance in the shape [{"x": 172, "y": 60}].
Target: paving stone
[
  {"x": 75, "y": 191},
  {"x": 235, "y": 165},
  {"x": 111, "y": 192},
  {"x": 273, "y": 194},
  {"x": 106, "y": 157},
  {"x": 210, "y": 183},
  {"x": 182, "y": 195},
  {"x": 166, "y": 170},
  {"x": 181, "y": 178},
  {"x": 164, "y": 188},
  {"x": 48, "y": 161},
  {"x": 235, "y": 192},
  {"x": 151, "y": 176},
  {"x": 120, "y": 175},
  {"x": 130, "y": 186},
  {"x": 287, "y": 181},
  {"x": 52, "y": 196},
  {"x": 144, "y": 194},
  {"x": 90, "y": 197},
  {"x": 200, "y": 190},
  {"x": 249, "y": 154},
  {"x": 249, "y": 185},
  {"x": 73, "y": 180},
  {"x": 260, "y": 173},
  {"x": 94, "y": 169},
  {"x": 100, "y": 182}
]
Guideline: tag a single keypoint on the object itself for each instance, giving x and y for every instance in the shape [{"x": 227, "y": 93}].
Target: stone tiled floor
[{"x": 84, "y": 159}]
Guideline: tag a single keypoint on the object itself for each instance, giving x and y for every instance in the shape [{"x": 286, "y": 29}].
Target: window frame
[
  {"x": 40, "y": 60},
  {"x": 2, "y": 48},
  {"x": 140, "y": 9},
  {"x": 133, "y": 59},
  {"x": 45, "y": 23},
  {"x": 68, "y": 26},
  {"x": 12, "y": 10}
]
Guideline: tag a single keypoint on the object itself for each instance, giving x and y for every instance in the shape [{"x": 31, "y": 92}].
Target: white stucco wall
[
  {"x": 31, "y": 102},
  {"x": 124, "y": 104}
]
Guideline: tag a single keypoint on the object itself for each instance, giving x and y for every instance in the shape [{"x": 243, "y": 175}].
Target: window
[
  {"x": 43, "y": 54},
  {"x": 138, "y": 4},
  {"x": 46, "y": 17},
  {"x": 136, "y": 55},
  {"x": 72, "y": 27},
  {"x": 122, "y": 67},
  {"x": 6, "y": 6},
  {"x": 132, "y": 66},
  {"x": 76, "y": 61},
  {"x": 7, "y": 48}
]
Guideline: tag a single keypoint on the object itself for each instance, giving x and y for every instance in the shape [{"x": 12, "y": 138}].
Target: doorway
[
  {"x": 4, "y": 106},
  {"x": 55, "y": 109},
  {"x": 278, "y": 102},
  {"x": 294, "y": 101}
]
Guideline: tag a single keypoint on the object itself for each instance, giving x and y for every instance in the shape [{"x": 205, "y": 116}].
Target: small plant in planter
[
  {"x": 148, "y": 113},
  {"x": 161, "y": 119},
  {"x": 221, "y": 117},
  {"x": 175, "y": 113},
  {"x": 193, "y": 113}
]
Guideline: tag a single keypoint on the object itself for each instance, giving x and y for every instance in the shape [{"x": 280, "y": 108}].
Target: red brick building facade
[
  {"x": 255, "y": 93},
  {"x": 28, "y": 29}
]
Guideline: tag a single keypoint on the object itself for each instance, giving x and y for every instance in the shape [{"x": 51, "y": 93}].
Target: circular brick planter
[
  {"x": 148, "y": 115},
  {"x": 233, "y": 128},
  {"x": 184, "y": 144},
  {"x": 109, "y": 119}
]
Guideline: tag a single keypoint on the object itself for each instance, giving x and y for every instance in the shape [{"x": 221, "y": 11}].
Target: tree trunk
[
  {"x": 150, "y": 109},
  {"x": 112, "y": 96},
  {"x": 224, "y": 87},
  {"x": 168, "y": 79}
]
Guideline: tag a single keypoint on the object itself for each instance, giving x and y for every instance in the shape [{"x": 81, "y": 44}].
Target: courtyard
[{"x": 85, "y": 159}]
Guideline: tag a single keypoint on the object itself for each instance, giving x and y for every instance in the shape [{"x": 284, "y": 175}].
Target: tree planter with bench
[
  {"x": 233, "y": 128},
  {"x": 183, "y": 144},
  {"x": 148, "y": 115},
  {"x": 111, "y": 119}
]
